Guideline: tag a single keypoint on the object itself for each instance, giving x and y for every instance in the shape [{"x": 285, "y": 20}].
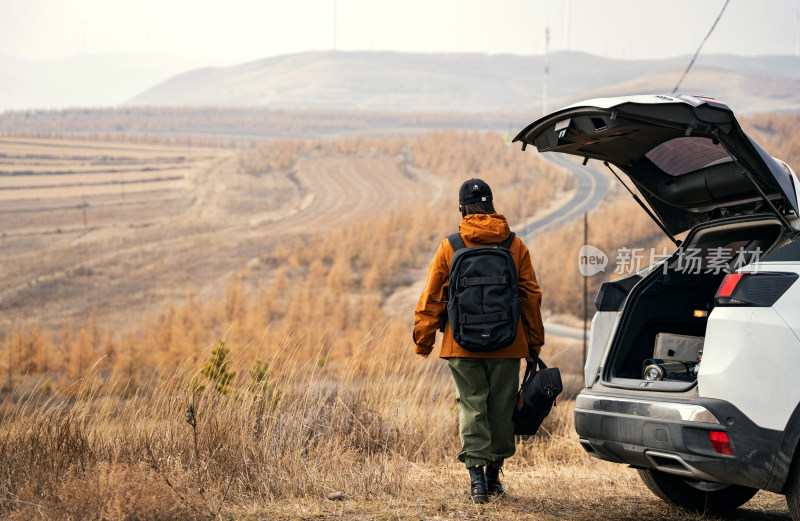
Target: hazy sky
[{"x": 229, "y": 31}]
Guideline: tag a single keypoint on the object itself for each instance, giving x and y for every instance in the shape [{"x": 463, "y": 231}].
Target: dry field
[
  {"x": 76, "y": 220},
  {"x": 121, "y": 229}
]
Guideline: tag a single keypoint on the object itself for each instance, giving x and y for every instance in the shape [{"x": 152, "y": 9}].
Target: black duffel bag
[{"x": 537, "y": 394}]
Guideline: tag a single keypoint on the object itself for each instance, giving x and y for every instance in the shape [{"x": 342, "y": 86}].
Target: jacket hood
[{"x": 484, "y": 229}]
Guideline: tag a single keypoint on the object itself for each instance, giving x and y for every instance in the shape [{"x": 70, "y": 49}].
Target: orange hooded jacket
[{"x": 477, "y": 230}]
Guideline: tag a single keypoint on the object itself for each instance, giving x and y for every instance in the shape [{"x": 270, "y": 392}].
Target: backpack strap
[
  {"x": 507, "y": 243},
  {"x": 456, "y": 241}
]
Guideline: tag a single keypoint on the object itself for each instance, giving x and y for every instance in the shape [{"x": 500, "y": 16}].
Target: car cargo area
[{"x": 661, "y": 333}]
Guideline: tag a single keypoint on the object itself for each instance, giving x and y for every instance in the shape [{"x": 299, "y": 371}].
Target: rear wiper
[{"x": 644, "y": 207}]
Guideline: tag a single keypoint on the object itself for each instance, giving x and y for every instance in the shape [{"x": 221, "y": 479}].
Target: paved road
[
  {"x": 561, "y": 331},
  {"x": 592, "y": 188}
]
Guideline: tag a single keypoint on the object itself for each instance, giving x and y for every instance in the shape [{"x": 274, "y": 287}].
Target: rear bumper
[{"x": 672, "y": 436}]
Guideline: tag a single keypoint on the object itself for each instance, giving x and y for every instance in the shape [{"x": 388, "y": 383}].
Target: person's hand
[{"x": 532, "y": 355}]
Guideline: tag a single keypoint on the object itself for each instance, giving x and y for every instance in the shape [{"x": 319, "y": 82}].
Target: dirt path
[{"x": 337, "y": 190}]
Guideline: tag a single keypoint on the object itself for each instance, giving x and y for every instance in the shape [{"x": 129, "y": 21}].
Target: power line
[{"x": 701, "y": 46}]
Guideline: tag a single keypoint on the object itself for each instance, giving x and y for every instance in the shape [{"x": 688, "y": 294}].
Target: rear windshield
[{"x": 682, "y": 155}]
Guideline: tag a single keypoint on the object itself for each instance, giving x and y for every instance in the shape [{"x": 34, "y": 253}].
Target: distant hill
[
  {"x": 743, "y": 93},
  {"x": 471, "y": 82}
]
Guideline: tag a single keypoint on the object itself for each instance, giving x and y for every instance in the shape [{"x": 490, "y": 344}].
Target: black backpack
[
  {"x": 537, "y": 395},
  {"x": 483, "y": 296}
]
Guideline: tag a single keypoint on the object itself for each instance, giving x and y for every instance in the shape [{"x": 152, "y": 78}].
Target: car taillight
[
  {"x": 753, "y": 289},
  {"x": 720, "y": 442},
  {"x": 728, "y": 284}
]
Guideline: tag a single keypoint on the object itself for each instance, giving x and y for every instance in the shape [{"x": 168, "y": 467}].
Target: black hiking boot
[
  {"x": 477, "y": 485},
  {"x": 493, "y": 485}
]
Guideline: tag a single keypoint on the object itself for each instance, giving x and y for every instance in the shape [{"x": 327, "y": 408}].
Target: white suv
[{"x": 693, "y": 363}]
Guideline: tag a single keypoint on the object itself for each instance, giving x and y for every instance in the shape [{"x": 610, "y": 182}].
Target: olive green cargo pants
[{"x": 486, "y": 391}]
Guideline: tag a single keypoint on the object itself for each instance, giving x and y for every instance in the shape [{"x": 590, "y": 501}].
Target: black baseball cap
[{"x": 474, "y": 191}]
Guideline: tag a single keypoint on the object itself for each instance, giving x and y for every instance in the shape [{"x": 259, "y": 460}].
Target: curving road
[
  {"x": 592, "y": 188},
  {"x": 562, "y": 331}
]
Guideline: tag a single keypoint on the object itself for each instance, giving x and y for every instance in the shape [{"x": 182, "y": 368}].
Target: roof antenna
[{"x": 701, "y": 46}]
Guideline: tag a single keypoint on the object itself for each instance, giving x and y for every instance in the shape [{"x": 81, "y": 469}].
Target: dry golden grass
[
  {"x": 381, "y": 429},
  {"x": 305, "y": 432}
]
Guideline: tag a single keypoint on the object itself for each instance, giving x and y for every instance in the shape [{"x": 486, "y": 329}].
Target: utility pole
[
  {"x": 10, "y": 374},
  {"x": 585, "y": 289},
  {"x": 83, "y": 197},
  {"x": 797, "y": 30},
  {"x": 546, "y": 68}
]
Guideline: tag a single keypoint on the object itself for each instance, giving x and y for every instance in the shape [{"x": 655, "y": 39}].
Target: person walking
[{"x": 486, "y": 375}]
